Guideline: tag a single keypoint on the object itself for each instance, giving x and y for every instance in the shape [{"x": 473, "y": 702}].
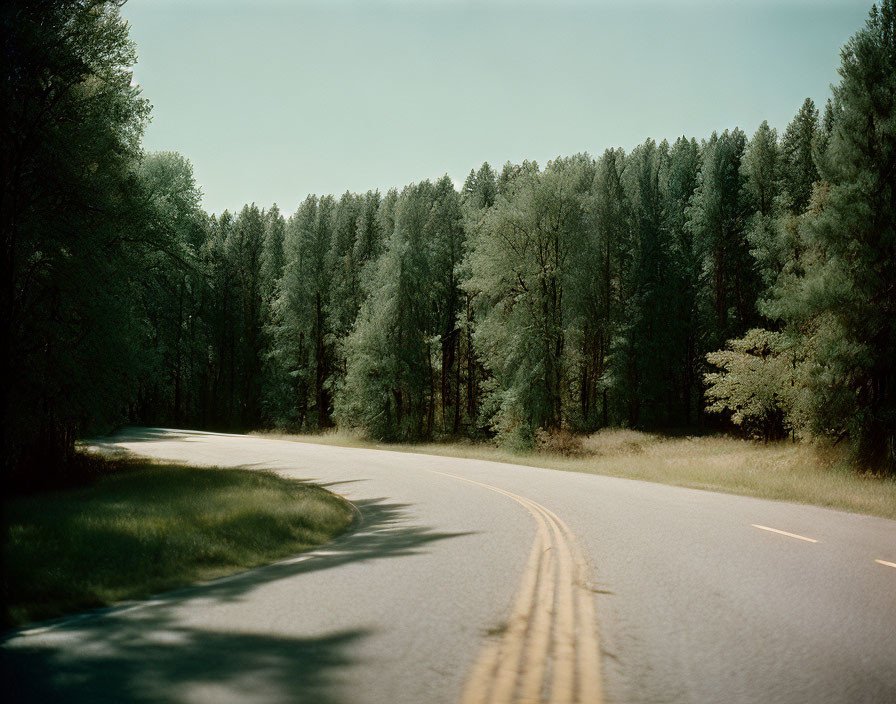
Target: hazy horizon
[{"x": 276, "y": 100}]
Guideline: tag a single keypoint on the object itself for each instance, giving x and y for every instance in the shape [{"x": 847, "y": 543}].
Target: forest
[{"x": 738, "y": 282}]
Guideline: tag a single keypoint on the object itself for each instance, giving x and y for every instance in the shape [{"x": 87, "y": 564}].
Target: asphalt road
[{"x": 477, "y": 581}]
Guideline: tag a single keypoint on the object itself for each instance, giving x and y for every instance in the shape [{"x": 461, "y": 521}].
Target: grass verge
[
  {"x": 148, "y": 528},
  {"x": 784, "y": 471}
]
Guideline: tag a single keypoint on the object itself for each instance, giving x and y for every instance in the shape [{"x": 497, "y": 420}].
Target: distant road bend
[{"x": 479, "y": 582}]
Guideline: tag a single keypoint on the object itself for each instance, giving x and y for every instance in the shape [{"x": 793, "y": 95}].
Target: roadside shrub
[
  {"x": 757, "y": 384},
  {"x": 559, "y": 442}
]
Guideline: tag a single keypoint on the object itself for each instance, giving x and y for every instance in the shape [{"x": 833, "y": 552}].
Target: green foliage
[
  {"x": 757, "y": 383},
  {"x": 74, "y": 226},
  {"x": 401, "y": 352},
  {"x": 798, "y": 157},
  {"x": 300, "y": 326},
  {"x": 480, "y": 189},
  {"x": 345, "y": 291},
  {"x": 170, "y": 283},
  {"x": 761, "y": 166},
  {"x": 718, "y": 216},
  {"x": 534, "y": 302},
  {"x": 273, "y": 257},
  {"x": 641, "y": 363},
  {"x": 841, "y": 297},
  {"x": 678, "y": 183},
  {"x": 370, "y": 397},
  {"x": 598, "y": 291},
  {"x": 521, "y": 264}
]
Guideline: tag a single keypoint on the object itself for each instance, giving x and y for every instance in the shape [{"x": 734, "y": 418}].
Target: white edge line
[{"x": 784, "y": 532}]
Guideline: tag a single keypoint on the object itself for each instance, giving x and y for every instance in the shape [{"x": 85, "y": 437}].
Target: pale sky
[{"x": 272, "y": 100}]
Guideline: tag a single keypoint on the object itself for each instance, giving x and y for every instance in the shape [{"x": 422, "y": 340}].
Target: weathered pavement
[{"x": 478, "y": 581}]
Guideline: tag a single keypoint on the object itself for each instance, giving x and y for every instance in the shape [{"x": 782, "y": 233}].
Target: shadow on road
[
  {"x": 151, "y": 654},
  {"x": 150, "y": 660},
  {"x": 383, "y": 533},
  {"x": 109, "y": 442}
]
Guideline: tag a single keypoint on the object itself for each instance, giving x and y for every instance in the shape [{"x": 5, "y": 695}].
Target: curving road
[{"x": 472, "y": 581}]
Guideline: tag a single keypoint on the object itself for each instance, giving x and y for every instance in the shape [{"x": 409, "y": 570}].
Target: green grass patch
[
  {"x": 800, "y": 472},
  {"x": 149, "y": 528}
]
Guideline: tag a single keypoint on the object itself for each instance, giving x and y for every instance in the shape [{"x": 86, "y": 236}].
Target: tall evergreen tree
[
  {"x": 798, "y": 158},
  {"x": 391, "y": 386},
  {"x": 842, "y": 299},
  {"x": 447, "y": 242},
  {"x": 761, "y": 168},
  {"x": 601, "y": 284},
  {"x": 246, "y": 245},
  {"x": 718, "y": 216},
  {"x": 520, "y": 267},
  {"x": 303, "y": 344},
  {"x": 273, "y": 257},
  {"x": 368, "y": 242},
  {"x": 678, "y": 183},
  {"x": 478, "y": 196},
  {"x": 344, "y": 293},
  {"x": 643, "y": 369},
  {"x": 223, "y": 322}
]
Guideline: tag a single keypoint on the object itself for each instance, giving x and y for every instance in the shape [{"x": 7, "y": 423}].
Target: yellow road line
[
  {"x": 508, "y": 670},
  {"x": 590, "y": 685},
  {"x": 538, "y": 649},
  {"x": 564, "y": 670},
  {"x": 495, "y": 674},
  {"x": 478, "y": 687},
  {"x": 884, "y": 562},
  {"x": 784, "y": 532},
  {"x": 553, "y": 615}
]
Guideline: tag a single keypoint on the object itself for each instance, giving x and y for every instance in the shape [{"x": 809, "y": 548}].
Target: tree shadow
[
  {"x": 110, "y": 655},
  {"x": 151, "y": 660},
  {"x": 381, "y": 532},
  {"x": 109, "y": 443},
  {"x": 338, "y": 483}
]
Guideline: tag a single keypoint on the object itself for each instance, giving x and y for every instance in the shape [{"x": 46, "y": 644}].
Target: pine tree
[
  {"x": 392, "y": 354},
  {"x": 717, "y": 217},
  {"x": 761, "y": 168},
  {"x": 478, "y": 196},
  {"x": 303, "y": 345},
  {"x": 447, "y": 241},
  {"x": 678, "y": 183},
  {"x": 608, "y": 211},
  {"x": 369, "y": 241},
  {"x": 643, "y": 370},
  {"x": 344, "y": 285},
  {"x": 246, "y": 245},
  {"x": 223, "y": 321},
  {"x": 273, "y": 258},
  {"x": 797, "y": 152},
  {"x": 520, "y": 268},
  {"x": 841, "y": 299}
]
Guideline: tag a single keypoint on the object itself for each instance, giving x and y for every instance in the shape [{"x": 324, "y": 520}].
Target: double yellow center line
[{"x": 549, "y": 651}]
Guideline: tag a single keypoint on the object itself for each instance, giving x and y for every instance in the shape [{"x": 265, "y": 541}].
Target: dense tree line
[
  {"x": 76, "y": 218},
  {"x": 739, "y": 279}
]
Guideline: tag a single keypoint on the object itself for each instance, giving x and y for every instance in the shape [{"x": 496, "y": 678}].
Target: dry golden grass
[{"x": 784, "y": 471}]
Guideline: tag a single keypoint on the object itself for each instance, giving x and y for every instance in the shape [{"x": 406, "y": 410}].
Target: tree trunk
[
  {"x": 177, "y": 355},
  {"x": 320, "y": 393}
]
